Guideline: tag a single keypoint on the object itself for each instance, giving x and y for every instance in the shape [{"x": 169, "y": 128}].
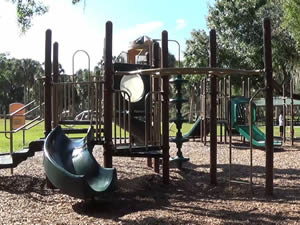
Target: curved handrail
[
  {"x": 73, "y": 57},
  {"x": 89, "y": 77}
]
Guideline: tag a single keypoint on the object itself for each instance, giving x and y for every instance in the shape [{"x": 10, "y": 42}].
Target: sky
[{"x": 82, "y": 27}]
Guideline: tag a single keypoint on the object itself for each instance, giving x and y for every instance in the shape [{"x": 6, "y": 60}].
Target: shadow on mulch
[
  {"x": 24, "y": 185},
  {"x": 241, "y": 173},
  {"x": 141, "y": 194},
  {"x": 246, "y": 146},
  {"x": 148, "y": 193}
]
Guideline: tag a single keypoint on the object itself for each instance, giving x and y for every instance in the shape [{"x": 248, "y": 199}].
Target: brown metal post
[
  {"x": 225, "y": 110},
  {"x": 249, "y": 88},
  {"x": 292, "y": 111},
  {"x": 201, "y": 112},
  {"x": 47, "y": 89},
  {"x": 165, "y": 108},
  {"x": 244, "y": 95},
  {"x": 213, "y": 115},
  {"x": 230, "y": 129},
  {"x": 284, "y": 109},
  {"x": 221, "y": 110},
  {"x": 204, "y": 108},
  {"x": 55, "y": 88},
  {"x": 108, "y": 96},
  {"x": 156, "y": 64},
  {"x": 269, "y": 106}
]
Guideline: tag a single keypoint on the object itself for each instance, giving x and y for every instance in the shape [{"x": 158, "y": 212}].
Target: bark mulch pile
[{"x": 143, "y": 199}]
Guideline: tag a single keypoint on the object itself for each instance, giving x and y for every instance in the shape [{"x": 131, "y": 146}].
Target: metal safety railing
[
  {"x": 90, "y": 107},
  {"x": 153, "y": 117},
  {"x": 98, "y": 108},
  {"x": 121, "y": 118},
  {"x": 35, "y": 110}
]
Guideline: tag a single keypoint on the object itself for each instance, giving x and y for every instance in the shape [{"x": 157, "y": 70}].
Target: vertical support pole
[
  {"x": 201, "y": 114},
  {"x": 47, "y": 90},
  {"x": 269, "y": 106},
  {"x": 244, "y": 95},
  {"x": 55, "y": 88},
  {"x": 202, "y": 133},
  {"x": 284, "y": 109},
  {"x": 11, "y": 138},
  {"x": 213, "y": 115},
  {"x": 230, "y": 129},
  {"x": 292, "y": 111},
  {"x": 221, "y": 111},
  {"x": 204, "y": 108},
  {"x": 156, "y": 64},
  {"x": 108, "y": 94},
  {"x": 251, "y": 143},
  {"x": 165, "y": 108},
  {"x": 249, "y": 88},
  {"x": 225, "y": 110}
]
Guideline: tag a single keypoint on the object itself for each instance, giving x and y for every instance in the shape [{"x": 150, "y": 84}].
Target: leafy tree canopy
[
  {"x": 240, "y": 37},
  {"x": 292, "y": 18},
  {"x": 18, "y": 80},
  {"x": 28, "y": 9}
]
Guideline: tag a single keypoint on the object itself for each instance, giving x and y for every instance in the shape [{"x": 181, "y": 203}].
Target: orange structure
[{"x": 18, "y": 119}]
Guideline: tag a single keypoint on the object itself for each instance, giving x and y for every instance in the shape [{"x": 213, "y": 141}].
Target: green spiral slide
[{"x": 71, "y": 167}]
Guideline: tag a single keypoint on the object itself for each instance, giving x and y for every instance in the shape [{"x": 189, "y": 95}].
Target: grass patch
[
  {"x": 31, "y": 135},
  {"x": 38, "y": 132}
]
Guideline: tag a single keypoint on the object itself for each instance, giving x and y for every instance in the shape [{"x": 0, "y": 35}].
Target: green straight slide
[
  {"x": 258, "y": 138},
  {"x": 71, "y": 167},
  {"x": 195, "y": 130}
]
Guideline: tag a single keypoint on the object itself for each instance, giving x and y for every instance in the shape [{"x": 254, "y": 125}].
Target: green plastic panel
[{"x": 71, "y": 167}]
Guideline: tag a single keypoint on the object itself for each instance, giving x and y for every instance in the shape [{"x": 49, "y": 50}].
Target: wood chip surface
[{"x": 143, "y": 199}]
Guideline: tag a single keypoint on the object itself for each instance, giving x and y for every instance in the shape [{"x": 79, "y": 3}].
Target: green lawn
[
  {"x": 38, "y": 132},
  {"x": 34, "y": 134}
]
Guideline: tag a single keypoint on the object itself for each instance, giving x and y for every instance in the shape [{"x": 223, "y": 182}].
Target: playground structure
[
  {"x": 109, "y": 106},
  {"x": 213, "y": 72},
  {"x": 230, "y": 109}
]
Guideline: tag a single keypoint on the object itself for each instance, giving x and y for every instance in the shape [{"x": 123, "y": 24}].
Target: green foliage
[
  {"x": 239, "y": 27},
  {"x": 240, "y": 39},
  {"x": 26, "y": 10},
  {"x": 18, "y": 80},
  {"x": 171, "y": 60},
  {"x": 196, "y": 54},
  {"x": 292, "y": 18}
]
